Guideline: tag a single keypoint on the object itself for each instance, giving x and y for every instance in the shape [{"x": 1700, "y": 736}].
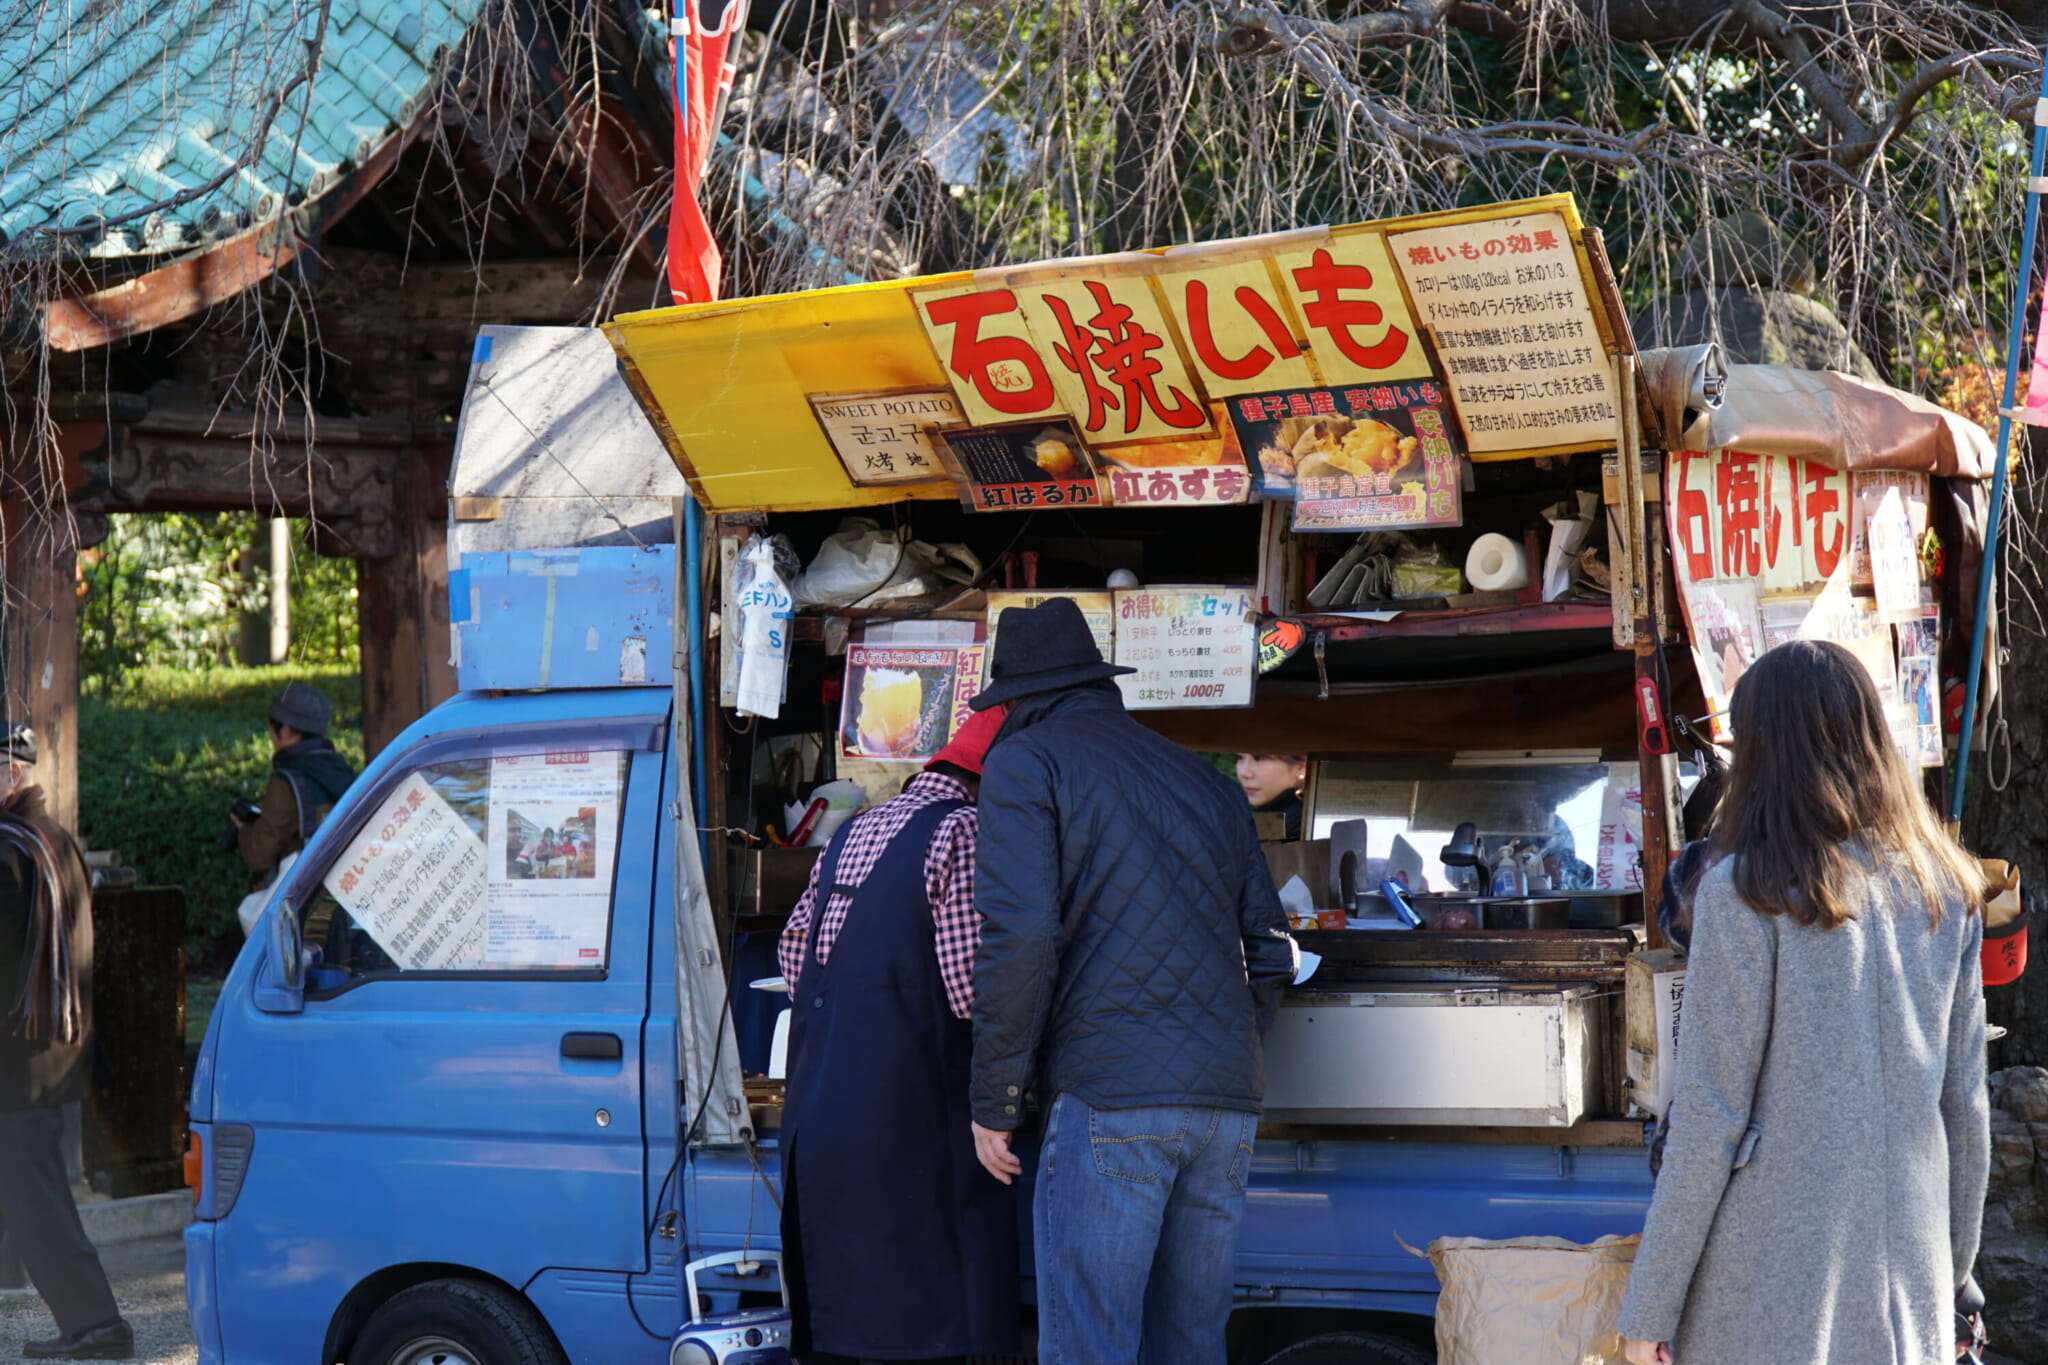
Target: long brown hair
[{"x": 1816, "y": 770}]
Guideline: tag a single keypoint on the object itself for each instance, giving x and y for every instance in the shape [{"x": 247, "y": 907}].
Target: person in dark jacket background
[
  {"x": 45, "y": 1041},
  {"x": 307, "y": 776},
  {"x": 1132, "y": 955}
]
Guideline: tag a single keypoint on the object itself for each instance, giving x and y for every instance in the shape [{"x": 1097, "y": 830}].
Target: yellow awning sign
[{"x": 789, "y": 402}]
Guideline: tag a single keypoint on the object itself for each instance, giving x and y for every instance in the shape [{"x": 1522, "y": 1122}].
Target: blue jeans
[{"x": 1135, "y": 1221}]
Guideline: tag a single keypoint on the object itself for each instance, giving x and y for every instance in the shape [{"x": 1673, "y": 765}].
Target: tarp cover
[
  {"x": 1826, "y": 416},
  {"x": 552, "y": 451}
]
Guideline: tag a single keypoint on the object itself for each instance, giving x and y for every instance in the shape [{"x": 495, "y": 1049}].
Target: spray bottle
[{"x": 1507, "y": 872}]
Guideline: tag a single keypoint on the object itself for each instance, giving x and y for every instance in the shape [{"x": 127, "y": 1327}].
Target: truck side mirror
[{"x": 281, "y": 980}]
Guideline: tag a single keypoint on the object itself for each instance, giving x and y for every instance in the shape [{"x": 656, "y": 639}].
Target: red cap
[{"x": 969, "y": 745}]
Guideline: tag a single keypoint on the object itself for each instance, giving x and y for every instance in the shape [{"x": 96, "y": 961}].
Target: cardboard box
[
  {"x": 600, "y": 616},
  {"x": 769, "y": 880},
  {"x": 1655, "y": 996}
]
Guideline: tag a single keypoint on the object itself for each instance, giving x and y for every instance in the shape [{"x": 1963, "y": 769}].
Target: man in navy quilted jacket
[{"x": 1132, "y": 956}]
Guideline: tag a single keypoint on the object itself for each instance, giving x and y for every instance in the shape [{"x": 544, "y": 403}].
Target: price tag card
[{"x": 1191, "y": 646}]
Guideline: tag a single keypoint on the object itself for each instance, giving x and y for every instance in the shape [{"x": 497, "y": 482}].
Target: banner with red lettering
[
  {"x": 1143, "y": 357},
  {"x": 1768, "y": 549}
]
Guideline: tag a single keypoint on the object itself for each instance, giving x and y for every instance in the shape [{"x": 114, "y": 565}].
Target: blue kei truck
[{"x": 493, "y": 1069}]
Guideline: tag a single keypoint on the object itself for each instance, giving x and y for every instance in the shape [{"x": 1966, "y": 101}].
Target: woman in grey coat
[{"x": 1823, "y": 1183}]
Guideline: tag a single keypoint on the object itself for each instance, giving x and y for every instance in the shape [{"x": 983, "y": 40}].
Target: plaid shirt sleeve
[
  {"x": 796, "y": 932},
  {"x": 949, "y": 881}
]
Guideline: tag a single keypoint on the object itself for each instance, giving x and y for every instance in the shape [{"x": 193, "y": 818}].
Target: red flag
[{"x": 700, "y": 31}]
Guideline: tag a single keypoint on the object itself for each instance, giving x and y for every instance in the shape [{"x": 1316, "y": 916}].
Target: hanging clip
[
  {"x": 1650, "y": 718},
  {"x": 1322, "y": 671}
]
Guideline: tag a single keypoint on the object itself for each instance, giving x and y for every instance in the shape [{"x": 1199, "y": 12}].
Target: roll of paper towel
[{"x": 1495, "y": 564}]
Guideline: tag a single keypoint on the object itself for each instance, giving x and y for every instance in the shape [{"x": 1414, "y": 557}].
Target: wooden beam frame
[{"x": 343, "y": 471}]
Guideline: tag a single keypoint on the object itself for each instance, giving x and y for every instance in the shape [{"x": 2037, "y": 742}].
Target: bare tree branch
[
  {"x": 1804, "y": 69},
  {"x": 1906, "y": 105},
  {"x": 1258, "y": 32}
]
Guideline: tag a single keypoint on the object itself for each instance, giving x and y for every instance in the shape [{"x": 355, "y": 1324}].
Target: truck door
[{"x": 462, "y": 1086}]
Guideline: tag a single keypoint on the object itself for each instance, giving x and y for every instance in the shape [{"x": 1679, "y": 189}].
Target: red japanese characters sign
[
  {"x": 1192, "y": 487},
  {"x": 1785, "y": 523},
  {"x": 1186, "y": 473},
  {"x": 1768, "y": 549},
  {"x": 1113, "y": 362},
  {"x": 1237, "y": 327},
  {"x": 1135, "y": 351},
  {"x": 1349, "y": 298}
]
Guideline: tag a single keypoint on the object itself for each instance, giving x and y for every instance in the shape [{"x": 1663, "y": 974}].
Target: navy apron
[{"x": 903, "y": 1247}]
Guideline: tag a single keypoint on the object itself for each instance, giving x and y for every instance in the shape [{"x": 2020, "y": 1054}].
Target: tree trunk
[{"x": 1149, "y": 164}]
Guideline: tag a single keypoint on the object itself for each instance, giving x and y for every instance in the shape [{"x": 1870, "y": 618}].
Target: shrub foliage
[{"x": 161, "y": 759}]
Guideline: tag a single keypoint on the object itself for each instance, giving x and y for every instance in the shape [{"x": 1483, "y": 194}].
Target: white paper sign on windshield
[
  {"x": 413, "y": 880},
  {"x": 554, "y": 821}
]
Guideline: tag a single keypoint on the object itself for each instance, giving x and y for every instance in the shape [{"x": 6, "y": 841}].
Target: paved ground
[{"x": 149, "y": 1281}]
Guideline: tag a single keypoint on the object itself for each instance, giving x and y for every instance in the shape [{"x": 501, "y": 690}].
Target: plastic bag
[
  {"x": 854, "y": 564},
  {"x": 251, "y": 908},
  {"x": 843, "y": 800},
  {"x": 864, "y": 564},
  {"x": 725, "y": 624},
  {"x": 764, "y": 610},
  {"x": 1422, "y": 571},
  {"x": 1571, "y": 523},
  {"x": 940, "y": 566}
]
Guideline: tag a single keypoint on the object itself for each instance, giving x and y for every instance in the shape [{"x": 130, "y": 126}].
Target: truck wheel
[
  {"x": 1351, "y": 1348},
  {"x": 455, "y": 1322}
]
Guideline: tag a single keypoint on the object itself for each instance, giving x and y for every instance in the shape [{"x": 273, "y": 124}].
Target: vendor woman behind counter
[{"x": 1272, "y": 783}]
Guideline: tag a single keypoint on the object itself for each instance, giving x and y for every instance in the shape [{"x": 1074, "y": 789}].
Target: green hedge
[{"x": 159, "y": 762}]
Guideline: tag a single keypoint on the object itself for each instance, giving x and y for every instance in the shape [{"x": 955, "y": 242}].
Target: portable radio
[{"x": 752, "y": 1336}]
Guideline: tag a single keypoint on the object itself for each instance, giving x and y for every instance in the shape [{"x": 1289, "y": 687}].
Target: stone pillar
[
  {"x": 279, "y": 569},
  {"x": 265, "y": 637}
]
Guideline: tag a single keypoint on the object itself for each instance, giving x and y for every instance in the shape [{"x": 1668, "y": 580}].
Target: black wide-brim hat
[{"x": 1043, "y": 649}]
